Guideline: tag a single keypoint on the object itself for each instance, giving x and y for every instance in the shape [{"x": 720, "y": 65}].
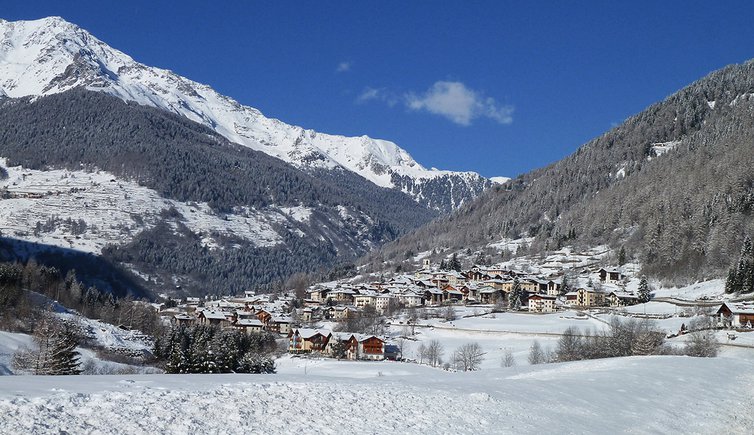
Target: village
[{"x": 323, "y": 323}]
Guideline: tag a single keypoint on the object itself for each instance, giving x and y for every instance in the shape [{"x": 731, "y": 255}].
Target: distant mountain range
[
  {"x": 673, "y": 185},
  {"x": 182, "y": 187}
]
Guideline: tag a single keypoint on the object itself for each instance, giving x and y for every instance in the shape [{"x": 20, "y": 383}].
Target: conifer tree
[
  {"x": 565, "y": 285},
  {"x": 514, "y": 299},
  {"x": 455, "y": 264},
  {"x": 731, "y": 284},
  {"x": 643, "y": 290},
  {"x": 56, "y": 348},
  {"x": 741, "y": 276},
  {"x": 622, "y": 256}
]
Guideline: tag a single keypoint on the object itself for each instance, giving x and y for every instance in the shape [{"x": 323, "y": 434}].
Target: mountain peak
[{"x": 51, "y": 55}]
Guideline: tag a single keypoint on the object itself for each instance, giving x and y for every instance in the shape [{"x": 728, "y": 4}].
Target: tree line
[{"x": 209, "y": 349}]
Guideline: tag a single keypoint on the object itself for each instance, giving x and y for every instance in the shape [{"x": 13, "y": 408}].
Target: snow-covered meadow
[{"x": 636, "y": 394}]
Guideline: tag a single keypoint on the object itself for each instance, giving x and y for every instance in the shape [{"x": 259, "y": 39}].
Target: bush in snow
[{"x": 623, "y": 338}]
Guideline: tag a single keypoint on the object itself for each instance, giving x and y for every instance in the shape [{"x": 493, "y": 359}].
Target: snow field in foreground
[{"x": 637, "y": 394}]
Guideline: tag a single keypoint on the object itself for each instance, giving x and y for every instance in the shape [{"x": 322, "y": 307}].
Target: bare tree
[
  {"x": 298, "y": 282},
  {"x": 468, "y": 357},
  {"x": 536, "y": 354},
  {"x": 434, "y": 353},
  {"x": 422, "y": 351},
  {"x": 508, "y": 359}
]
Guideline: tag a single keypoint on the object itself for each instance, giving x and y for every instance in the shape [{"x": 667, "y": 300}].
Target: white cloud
[
  {"x": 458, "y": 103},
  {"x": 377, "y": 94},
  {"x": 344, "y": 67},
  {"x": 368, "y": 94}
]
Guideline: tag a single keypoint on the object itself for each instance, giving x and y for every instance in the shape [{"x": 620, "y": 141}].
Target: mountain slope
[
  {"x": 674, "y": 184},
  {"x": 176, "y": 202},
  {"x": 50, "y": 55}
]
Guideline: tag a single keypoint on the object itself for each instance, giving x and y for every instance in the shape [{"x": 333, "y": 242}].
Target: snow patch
[
  {"x": 500, "y": 180},
  {"x": 660, "y": 148}
]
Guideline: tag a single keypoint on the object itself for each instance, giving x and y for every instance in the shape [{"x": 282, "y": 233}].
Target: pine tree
[
  {"x": 565, "y": 285},
  {"x": 455, "y": 264},
  {"x": 622, "y": 256},
  {"x": 644, "y": 295},
  {"x": 741, "y": 276},
  {"x": 56, "y": 348},
  {"x": 731, "y": 283},
  {"x": 63, "y": 355},
  {"x": 514, "y": 299}
]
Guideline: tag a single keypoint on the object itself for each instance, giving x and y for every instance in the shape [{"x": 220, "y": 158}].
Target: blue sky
[{"x": 495, "y": 87}]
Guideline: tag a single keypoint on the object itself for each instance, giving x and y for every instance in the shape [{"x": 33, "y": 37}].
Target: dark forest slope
[{"x": 683, "y": 213}]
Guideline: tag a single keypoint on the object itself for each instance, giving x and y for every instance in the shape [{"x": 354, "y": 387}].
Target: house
[
  {"x": 318, "y": 294},
  {"x": 410, "y": 299},
  {"x": 553, "y": 286},
  {"x": 622, "y": 299},
  {"x": 382, "y": 302},
  {"x": 371, "y": 348},
  {"x": 263, "y": 316},
  {"x": 571, "y": 298},
  {"x": 451, "y": 294},
  {"x": 349, "y": 342},
  {"x": 307, "y": 315},
  {"x": 342, "y": 295},
  {"x": 339, "y": 312},
  {"x": 364, "y": 299},
  {"x": 612, "y": 274},
  {"x": 490, "y": 295},
  {"x": 216, "y": 318},
  {"x": 439, "y": 279},
  {"x": 433, "y": 296},
  {"x": 476, "y": 273},
  {"x": 586, "y": 297},
  {"x": 249, "y": 325},
  {"x": 542, "y": 303},
  {"x": 529, "y": 285},
  {"x": 280, "y": 325},
  {"x": 303, "y": 340},
  {"x": 549, "y": 286},
  {"x": 737, "y": 314},
  {"x": 499, "y": 284},
  {"x": 247, "y": 313}
]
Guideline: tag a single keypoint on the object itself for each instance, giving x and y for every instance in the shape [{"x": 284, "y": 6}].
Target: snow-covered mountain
[
  {"x": 173, "y": 201},
  {"x": 51, "y": 55}
]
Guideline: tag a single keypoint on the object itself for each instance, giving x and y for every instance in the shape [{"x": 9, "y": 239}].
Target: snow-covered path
[{"x": 638, "y": 395}]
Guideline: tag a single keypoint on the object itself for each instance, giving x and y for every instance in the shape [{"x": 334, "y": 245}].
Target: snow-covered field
[
  {"x": 637, "y": 395},
  {"x": 713, "y": 289}
]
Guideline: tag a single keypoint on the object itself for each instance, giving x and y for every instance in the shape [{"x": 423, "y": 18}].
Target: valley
[{"x": 173, "y": 260}]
